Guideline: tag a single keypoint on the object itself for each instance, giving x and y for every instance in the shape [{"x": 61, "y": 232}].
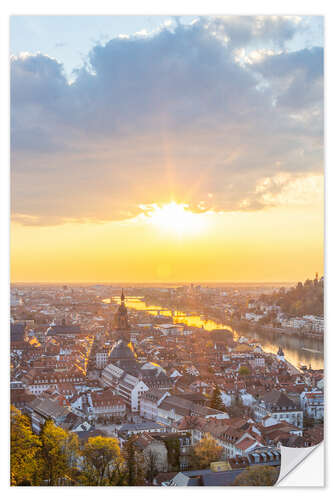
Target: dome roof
[
  {"x": 153, "y": 366},
  {"x": 122, "y": 350}
]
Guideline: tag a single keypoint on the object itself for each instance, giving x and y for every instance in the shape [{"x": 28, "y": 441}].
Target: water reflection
[
  {"x": 297, "y": 351},
  {"x": 177, "y": 316}
]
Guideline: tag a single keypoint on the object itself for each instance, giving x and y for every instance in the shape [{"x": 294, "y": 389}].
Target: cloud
[
  {"x": 168, "y": 115},
  {"x": 297, "y": 78},
  {"x": 241, "y": 31}
]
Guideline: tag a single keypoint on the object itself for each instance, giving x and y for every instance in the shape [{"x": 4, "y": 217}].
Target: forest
[{"x": 304, "y": 299}]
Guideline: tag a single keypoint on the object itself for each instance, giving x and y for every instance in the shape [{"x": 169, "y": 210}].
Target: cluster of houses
[{"x": 153, "y": 382}]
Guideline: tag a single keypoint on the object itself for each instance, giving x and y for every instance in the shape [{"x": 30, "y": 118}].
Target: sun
[{"x": 175, "y": 218}]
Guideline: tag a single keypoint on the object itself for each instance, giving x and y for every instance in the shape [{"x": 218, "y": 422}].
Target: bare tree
[{"x": 151, "y": 465}]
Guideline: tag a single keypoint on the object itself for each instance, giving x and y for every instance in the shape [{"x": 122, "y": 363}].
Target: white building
[
  {"x": 293, "y": 323},
  {"x": 170, "y": 329},
  {"x": 253, "y": 316},
  {"x": 247, "y": 399},
  {"x": 15, "y": 300},
  {"x": 257, "y": 362},
  {"x": 102, "y": 357},
  {"x": 277, "y": 405},
  {"x": 37, "y": 382},
  {"x": 150, "y": 402},
  {"x": 106, "y": 405},
  {"x": 313, "y": 404},
  {"x": 316, "y": 323},
  {"x": 129, "y": 387}
]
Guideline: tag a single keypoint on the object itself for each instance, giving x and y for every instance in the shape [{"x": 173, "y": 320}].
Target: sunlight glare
[{"x": 175, "y": 218}]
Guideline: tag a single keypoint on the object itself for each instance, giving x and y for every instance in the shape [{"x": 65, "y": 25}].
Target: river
[{"x": 297, "y": 351}]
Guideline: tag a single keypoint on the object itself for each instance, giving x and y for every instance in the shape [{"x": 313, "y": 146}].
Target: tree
[
  {"x": 71, "y": 451},
  {"x": 237, "y": 409},
  {"x": 59, "y": 452},
  {"x": 173, "y": 447},
  {"x": 117, "y": 473},
  {"x": 209, "y": 344},
  {"x": 205, "y": 452},
  {"x": 244, "y": 371},
  {"x": 308, "y": 422},
  {"x": 24, "y": 449},
  {"x": 151, "y": 465},
  {"x": 134, "y": 463},
  {"x": 257, "y": 476},
  {"x": 100, "y": 455},
  {"x": 216, "y": 401}
]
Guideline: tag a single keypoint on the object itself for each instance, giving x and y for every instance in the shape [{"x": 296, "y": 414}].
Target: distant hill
[{"x": 305, "y": 298}]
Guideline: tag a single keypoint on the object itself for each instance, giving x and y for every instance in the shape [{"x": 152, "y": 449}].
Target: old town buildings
[{"x": 93, "y": 365}]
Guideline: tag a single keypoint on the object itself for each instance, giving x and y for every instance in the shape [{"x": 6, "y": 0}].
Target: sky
[{"x": 158, "y": 148}]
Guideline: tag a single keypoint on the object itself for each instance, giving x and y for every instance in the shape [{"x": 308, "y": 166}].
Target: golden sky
[
  {"x": 191, "y": 152},
  {"x": 276, "y": 244}
]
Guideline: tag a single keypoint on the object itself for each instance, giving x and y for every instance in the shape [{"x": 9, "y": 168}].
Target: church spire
[
  {"x": 121, "y": 315},
  {"x": 280, "y": 354}
]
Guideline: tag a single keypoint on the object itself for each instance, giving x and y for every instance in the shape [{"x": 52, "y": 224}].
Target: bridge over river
[{"x": 298, "y": 351}]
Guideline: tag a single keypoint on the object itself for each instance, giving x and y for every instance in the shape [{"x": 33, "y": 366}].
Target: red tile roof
[{"x": 245, "y": 443}]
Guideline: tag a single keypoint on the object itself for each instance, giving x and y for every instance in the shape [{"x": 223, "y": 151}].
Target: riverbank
[
  {"x": 245, "y": 325},
  {"x": 298, "y": 350}
]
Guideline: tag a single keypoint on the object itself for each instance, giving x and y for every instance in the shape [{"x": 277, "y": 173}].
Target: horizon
[{"x": 153, "y": 283}]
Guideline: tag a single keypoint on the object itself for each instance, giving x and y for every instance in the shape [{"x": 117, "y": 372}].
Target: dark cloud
[{"x": 168, "y": 115}]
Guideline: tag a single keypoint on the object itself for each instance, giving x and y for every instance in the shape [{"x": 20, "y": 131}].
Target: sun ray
[{"x": 175, "y": 218}]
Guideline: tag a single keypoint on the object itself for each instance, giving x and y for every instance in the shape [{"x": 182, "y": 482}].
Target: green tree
[
  {"x": 244, "y": 371},
  {"x": 260, "y": 475},
  {"x": 205, "y": 452},
  {"x": 216, "y": 401},
  {"x": 24, "y": 449},
  {"x": 100, "y": 454},
  {"x": 173, "y": 447}
]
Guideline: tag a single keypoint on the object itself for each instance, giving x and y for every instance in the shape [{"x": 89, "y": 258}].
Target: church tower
[
  {"x": 122, "y": 352},
  {"x": 280, "y": 354},
  {"x": 122, "y": 325}
]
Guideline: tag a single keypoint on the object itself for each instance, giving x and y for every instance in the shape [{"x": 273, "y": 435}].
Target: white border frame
[{"x": 144, "y": 7}]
